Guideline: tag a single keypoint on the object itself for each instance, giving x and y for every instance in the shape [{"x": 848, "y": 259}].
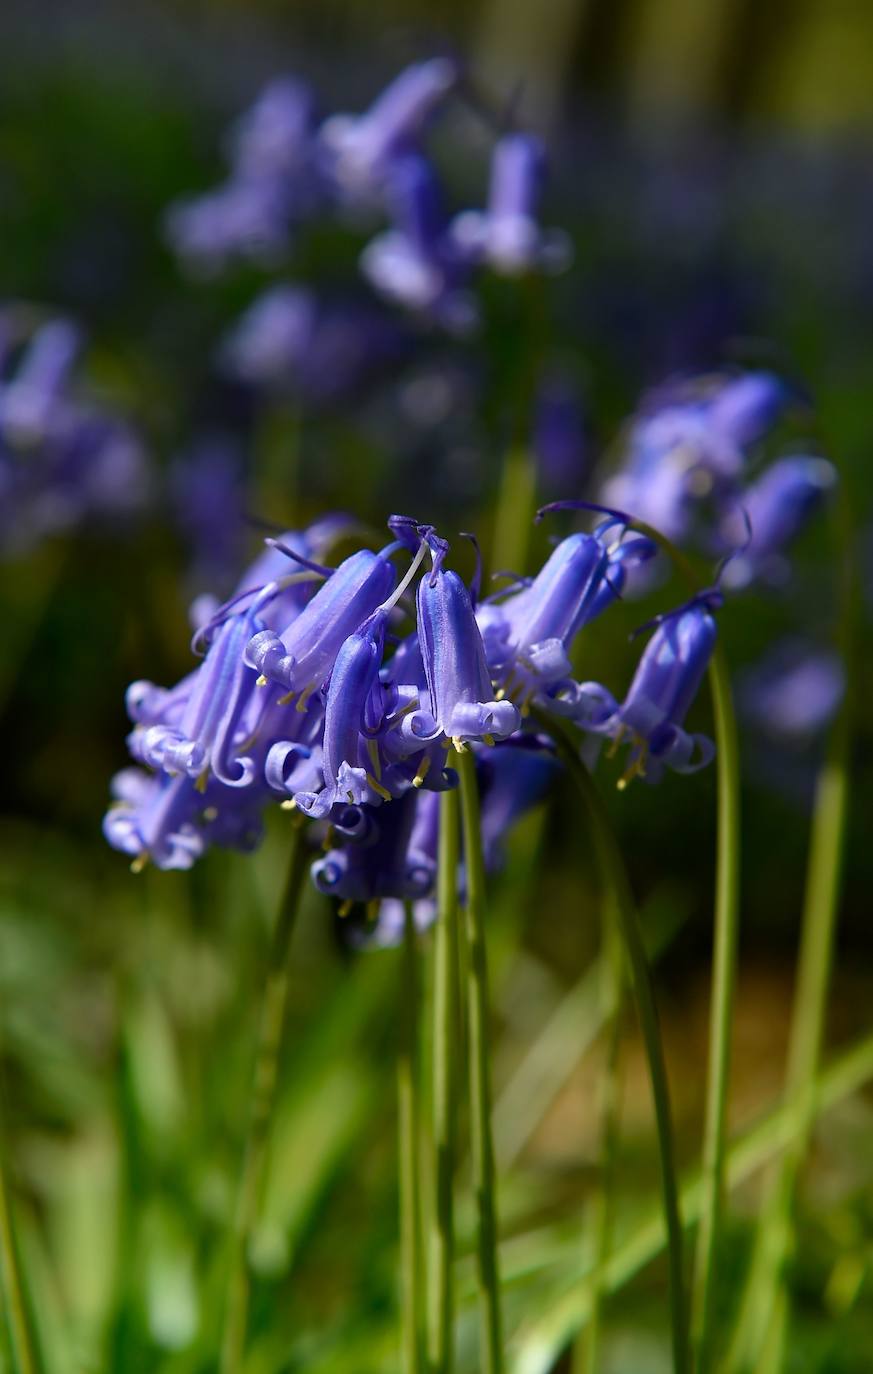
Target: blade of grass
[
  {"x": 541, "y": 1343},
  {"x": 569, "y": 1032},
  {"x": 14, "y": 1303}
]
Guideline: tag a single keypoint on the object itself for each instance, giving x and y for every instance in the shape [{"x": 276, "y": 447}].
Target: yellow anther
[
  {"x": 211, "y": 813},
  {"x": 261, "y": 681},
  {"x": 423, "y": 770},
  {"x": 286, "y": 699},
  {"x": 373, "y": 751},
  {"x": 202, "y": 781},
  {"x": 140, "y": 862},
  {"x": 377, "y": 787},
  {"x": 635, "y": 769},
  {"x": 616, "y": 741},
  {"x": 344, "y": 908},
  {"x": 459, "y": 745},
  {"x": 289, "y": 805},
  {"x": 304, "y": 699},
  {"x": 488, "y": 739}
]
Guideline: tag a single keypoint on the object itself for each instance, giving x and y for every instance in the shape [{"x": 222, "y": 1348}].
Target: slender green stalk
[
  {"x": 724, "y": 962},
  {"x": 616, "y": 882},
  {"x": 484, "y": 1179},
  {"x": 24, "y": 1351},
  {"x": 411, "y": 1248},
  {"x": 726, "y": 926},
  {"x": 261, "y": 1105},
  {"x": 762, "y": 1325},
  {"x": 612, "y": 975},
  {"x": 773, "y": 1238},
  {"x": 445, "y": 1089}
]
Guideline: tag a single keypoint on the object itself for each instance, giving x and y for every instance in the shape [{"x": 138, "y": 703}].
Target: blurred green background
[{"x": 713, "y": 164}]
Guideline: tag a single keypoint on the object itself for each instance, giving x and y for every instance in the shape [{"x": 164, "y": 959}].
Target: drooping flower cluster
[
  {"x": 287, "y": 166},
  {"x": 341, "y": 692},
  {"x": 692, "y": 470},
  {"x": 63, "y": 457}
]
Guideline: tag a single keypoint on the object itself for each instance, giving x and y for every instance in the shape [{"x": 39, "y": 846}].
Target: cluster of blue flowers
[
  {"x": 288, "y": 166},
  {"x": 63, "y": 457},
  {"x": 692, "y": 469},
  {"x": 341, "y": 692}
]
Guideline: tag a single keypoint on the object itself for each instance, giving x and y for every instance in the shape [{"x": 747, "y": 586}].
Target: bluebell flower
[
  {"x": 361, "y": 149},
  {"x": 275, "y": 182},
  {"x": 528, "y": 633},
  {"x": 417, "y": 263},
  {"x": 744, "y": 408},
  {"x": 396, "y": 859},
  {"x": 771, "y": 513},
  {"x": 204, "y": 741},
  {"x": 302, "y": 655},
  {"x": 351, "y": 767},
  {"x": 690, "y": 444},
  {"x": 462, "y": 703},
  {"x": 650, "y": 719},
  {"x": 275, "y": 136},
  {"x": 246, "y": 218},
  {"x": 507, "y": 235},
  {"x": 290, "y": 342},
  {"x": 793, "y": 693},
  {"x": 34, "y": 407},
  {"x": 63, "y": 458},
  {"x": 171, "y": 823}
]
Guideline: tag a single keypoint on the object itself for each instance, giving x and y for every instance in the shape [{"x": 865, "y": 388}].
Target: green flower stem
[
  {"x": 612, "y": 977},
  {"x": 724, "y": 962},
  {"x": 480, "y": 1068},
  {"x": 617, "y": 885},
  {"x": 411, "y": 1249},
  {"x": 446, "y": 1009},
  {"x": 24, "y": 1350},
  {"x": 261, "y": 1109},
  {"x": 773, "y": 1238},
  {"x": 762, "y": 1324}
]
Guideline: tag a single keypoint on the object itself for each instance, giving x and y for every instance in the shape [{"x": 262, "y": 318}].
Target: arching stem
[{"x": 617, "y": 885}]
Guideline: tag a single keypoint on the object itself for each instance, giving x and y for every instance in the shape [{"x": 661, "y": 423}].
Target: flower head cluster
[
  {"x": 342, "y": 691},
  {"x": 62, "y": 457},
  {"x": 287, "y": 166},
  {"x": 691, "y": 470}
]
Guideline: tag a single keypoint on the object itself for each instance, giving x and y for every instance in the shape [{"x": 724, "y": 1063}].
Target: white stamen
[{"x": 410, "y": 574}]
